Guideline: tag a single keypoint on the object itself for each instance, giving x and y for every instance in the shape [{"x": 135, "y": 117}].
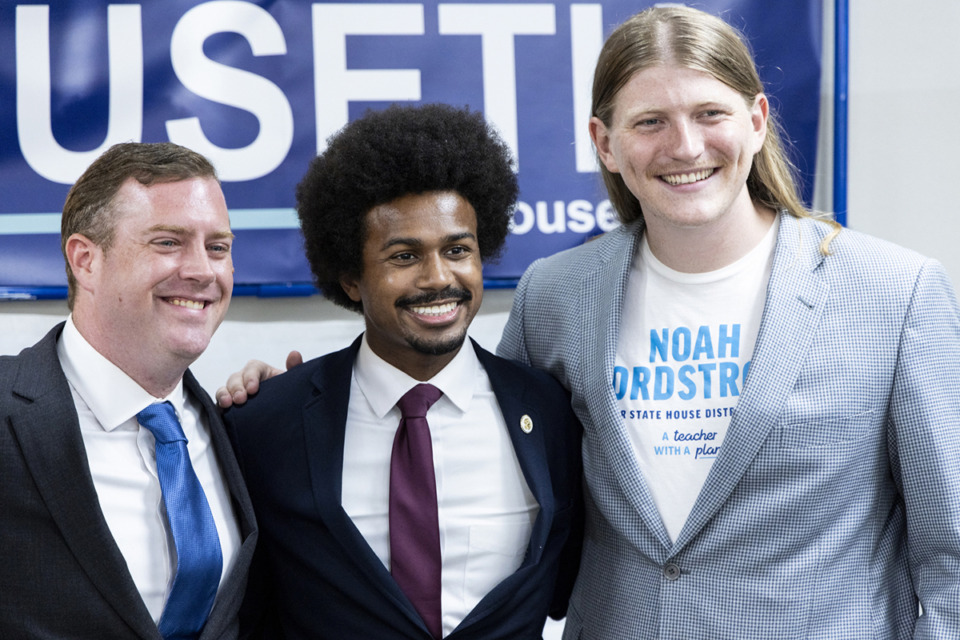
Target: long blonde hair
[{"x": 695, "y": 40}]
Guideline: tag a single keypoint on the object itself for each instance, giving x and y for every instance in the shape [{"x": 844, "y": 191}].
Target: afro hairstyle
[{"x": 395, "y": 152}]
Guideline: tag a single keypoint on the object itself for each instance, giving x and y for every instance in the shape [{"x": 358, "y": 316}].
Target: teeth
[
  {"x": 189, "y": 304},
  {"x": 435, "y": 310},
  {"x": 687, "y": 178}
]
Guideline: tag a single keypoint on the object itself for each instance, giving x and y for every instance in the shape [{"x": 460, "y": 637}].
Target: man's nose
[
  {"x": 687, "y": 140},
  {"x": 435, "y": 272}
]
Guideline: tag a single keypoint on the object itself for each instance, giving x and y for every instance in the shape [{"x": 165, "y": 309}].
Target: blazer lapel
[
  {"x": 613, "y": 461},
  {"x": 529, "y": 447},
  {"x": 324, "y": 425},
  {"x": 796, "y": 296},
  {"x": 532, "y": 456},
  {"x": 234, "y": 585},
  {"x": 48, "y": 432}
]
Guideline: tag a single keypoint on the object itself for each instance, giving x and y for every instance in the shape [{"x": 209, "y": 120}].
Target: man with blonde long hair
[{"x": 770, "y": 405}]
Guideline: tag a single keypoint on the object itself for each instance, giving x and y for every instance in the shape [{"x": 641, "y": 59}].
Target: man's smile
[
  {"x": 687, "y": 178},
  {"x": 434, "y": 310},
  {"x": 187, "y": 303}
]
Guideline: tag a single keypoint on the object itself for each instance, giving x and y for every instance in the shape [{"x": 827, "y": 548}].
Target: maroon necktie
[{"x": 414, "y": 527}]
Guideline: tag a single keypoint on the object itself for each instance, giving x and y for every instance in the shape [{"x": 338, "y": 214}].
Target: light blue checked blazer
[{"x": 833, "y": 508}]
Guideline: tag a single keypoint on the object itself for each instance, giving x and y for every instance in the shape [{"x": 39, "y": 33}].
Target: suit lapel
[
  {"x": 796, "y": 296},
  {"x": 516, "y": 407},
  {"x": 613, "y": 461},
  {"x": 234, "y": 584},
  {"x": 324, "y": 425},
  {"x": 48, "y": 433}
]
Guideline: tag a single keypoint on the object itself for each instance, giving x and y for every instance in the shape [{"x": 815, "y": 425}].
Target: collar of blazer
[{"x": 48, "y": 432}]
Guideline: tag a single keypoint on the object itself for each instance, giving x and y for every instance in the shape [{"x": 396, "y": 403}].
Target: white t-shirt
[{"x": 686, "y": 341}]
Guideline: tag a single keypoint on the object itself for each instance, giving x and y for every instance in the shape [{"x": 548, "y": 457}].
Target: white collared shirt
[
  {"x": 123, "y": 464},
  {"x": 486, "y": 510}
]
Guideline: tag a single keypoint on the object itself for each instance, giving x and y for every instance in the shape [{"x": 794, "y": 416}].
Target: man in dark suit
[
  {"x": 123, "y": 511},
  {"x": 397, "y": 215}
]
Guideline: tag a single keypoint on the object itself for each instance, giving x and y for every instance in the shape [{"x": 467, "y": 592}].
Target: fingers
[
  {"x": 223, "y": 398},
  {"x": 246, "y": 382},
  {"x": 294, "y": 358}
]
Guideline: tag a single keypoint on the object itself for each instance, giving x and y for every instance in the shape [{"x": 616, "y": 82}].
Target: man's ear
[
  {"x": 601, "y": 140},
  {"x": 351, "y": 287},
  {"x": 85, "y": 259},
  {"x": 759, "y": 113}
]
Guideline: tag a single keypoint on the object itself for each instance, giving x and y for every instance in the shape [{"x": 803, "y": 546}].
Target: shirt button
[{"x": 671, "y": 571}]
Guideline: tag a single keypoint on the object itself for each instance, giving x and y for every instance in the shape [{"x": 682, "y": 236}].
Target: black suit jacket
[
  {"x": 61, "y": 572},
  {"x": 316, "y": 577}
]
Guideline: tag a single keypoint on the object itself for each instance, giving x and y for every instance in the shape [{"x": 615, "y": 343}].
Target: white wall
[{"x": 904, "y": 126}]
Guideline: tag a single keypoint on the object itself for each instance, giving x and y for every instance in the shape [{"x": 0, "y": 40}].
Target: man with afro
[{"x": 459, "y": 520}]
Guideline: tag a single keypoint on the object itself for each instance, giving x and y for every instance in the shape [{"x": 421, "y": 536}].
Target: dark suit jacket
[
  {"x": 61, "y": 572},
  {"x": 316, "y": 577}
]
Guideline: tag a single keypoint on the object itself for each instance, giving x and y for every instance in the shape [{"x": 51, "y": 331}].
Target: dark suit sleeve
[
  {"x": 258, "y": 620},
  {"x": 570, "y": 556}
]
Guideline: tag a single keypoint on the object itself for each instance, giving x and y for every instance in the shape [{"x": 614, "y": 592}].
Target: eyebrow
[
  {"x": 416, "y": 242},
  {"x": 645, "y": 110}
]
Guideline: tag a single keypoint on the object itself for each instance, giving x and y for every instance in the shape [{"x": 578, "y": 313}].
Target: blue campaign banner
[{"x": 259, "y": 86}]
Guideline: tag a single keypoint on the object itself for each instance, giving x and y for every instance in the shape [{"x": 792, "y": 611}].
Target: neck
[
  {"x": 703, "y": 248},
  {"x": 158, "y": 378},
  {"x": 426, "y": 366}
]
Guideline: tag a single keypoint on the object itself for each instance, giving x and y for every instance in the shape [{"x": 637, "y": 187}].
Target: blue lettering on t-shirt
[
  {"x": 728, "y": 379},
  {"x": 732, "y": 340},
  {"x": 711, "y": 377},
  {"x": 659, "y": 344},
  {"x": 683, "y": 376},
  {"x": 663, "y": 385},
  {"x": 704, "y": 348},
  {"x": 681, "y": 344}
]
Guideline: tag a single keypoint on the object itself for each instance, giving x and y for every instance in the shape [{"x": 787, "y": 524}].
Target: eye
[
  {"x": 219, "y": 248},
  {"x": 403, "y": 256},
  {"x": 166, "y": 243}
]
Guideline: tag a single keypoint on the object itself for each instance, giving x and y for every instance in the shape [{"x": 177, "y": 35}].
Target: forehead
[
  {"x": 190, "y": 203},
  {"x": 673, "y": 86},
  {"x": 420, "y": 217}
]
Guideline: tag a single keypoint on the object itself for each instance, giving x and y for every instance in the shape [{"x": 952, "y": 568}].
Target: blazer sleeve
[
  {"x": 513, "y": 344},
  {"x": 924, "y": 442},
  {"x": 570, "y": 555},
  {"x": 257, "y": 611}
]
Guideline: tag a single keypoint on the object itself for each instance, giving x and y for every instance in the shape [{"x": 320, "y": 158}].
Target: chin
[
  {"x": 190, "y": 349},
  {"x": 439, "y": 347}
]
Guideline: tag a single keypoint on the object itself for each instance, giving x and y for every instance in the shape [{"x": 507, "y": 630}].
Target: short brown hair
[{"x": 89, "y": 209}]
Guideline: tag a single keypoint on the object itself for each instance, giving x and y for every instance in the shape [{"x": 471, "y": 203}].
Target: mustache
[{"x": 447, "y": 293}]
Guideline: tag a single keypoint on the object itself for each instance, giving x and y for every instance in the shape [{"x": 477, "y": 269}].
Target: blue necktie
[{"x": 199, "y": 560}]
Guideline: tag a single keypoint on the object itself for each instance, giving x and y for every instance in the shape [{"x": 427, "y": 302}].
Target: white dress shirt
[
  {"x": 123, "y": 464},
  {"x": 486, "y": 510}
]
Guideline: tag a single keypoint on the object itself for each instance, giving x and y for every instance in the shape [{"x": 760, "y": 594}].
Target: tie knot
[
  {"x": 161, "y": 420},
  {"x": 416, "y": 402}
]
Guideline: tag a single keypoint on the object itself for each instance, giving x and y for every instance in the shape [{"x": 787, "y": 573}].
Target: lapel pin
[{"x": 526, "y": 424}]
